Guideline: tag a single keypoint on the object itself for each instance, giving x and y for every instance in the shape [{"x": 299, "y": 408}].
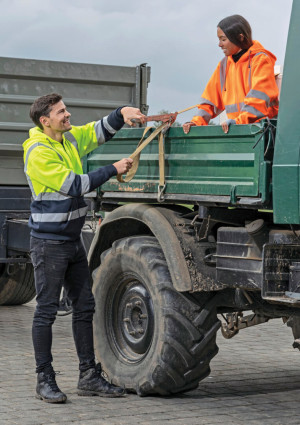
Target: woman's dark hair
[
  {"x": 233, "y": 26},
  {"x": 42, "y": 107}
]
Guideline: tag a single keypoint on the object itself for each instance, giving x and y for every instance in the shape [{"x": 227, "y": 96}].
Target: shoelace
[
  {"x": 52, "y": 382},
  {"x": 101, "y": 372}
]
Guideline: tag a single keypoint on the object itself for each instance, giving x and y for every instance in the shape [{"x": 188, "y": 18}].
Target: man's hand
[
  {"x": 130, "y": 113},
  {"x": 187, "y": 126},
  {"x": 123, "y": 166}
]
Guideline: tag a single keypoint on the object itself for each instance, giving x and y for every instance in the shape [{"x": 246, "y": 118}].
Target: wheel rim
[{"x": 130, "y": 319}]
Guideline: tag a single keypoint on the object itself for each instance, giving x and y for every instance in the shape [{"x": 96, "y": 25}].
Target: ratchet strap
[
  {"x": 141, "y": 145},
  {"x": 168, "y": 120}
]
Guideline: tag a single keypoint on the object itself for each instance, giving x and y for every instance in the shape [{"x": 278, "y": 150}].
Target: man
[{"x": 53, "y": 169}]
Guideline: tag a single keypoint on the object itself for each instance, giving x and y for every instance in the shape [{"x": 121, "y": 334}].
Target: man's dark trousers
[{"x": 56, "y": 264}]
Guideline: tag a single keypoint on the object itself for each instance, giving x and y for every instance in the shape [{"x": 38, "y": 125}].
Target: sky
[{"x": 176, "y": 38}]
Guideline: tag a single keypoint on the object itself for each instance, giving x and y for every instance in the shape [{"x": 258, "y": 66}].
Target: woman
[{"x": 243, "y": 83}]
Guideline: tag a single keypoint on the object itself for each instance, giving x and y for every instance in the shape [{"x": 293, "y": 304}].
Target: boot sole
[
  {"x": 47, "y": 400},
  {"x": 86, "y": 393}
]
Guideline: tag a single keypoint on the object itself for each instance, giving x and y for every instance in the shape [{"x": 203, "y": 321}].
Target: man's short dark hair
[{"x": 42, "y": 107}]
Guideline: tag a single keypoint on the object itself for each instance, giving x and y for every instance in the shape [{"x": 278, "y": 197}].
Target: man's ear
[
  {"x": 44, "y": 121},
  {"x": 242, "y": 37}
]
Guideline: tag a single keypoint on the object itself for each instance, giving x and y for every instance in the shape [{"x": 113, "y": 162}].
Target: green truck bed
[{"x": 204, "y": 165}]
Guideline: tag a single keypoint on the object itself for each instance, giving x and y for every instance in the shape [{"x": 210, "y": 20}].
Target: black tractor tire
[
  {"x": 150, "y": 338},
  {"x": 16, "y": 284}
]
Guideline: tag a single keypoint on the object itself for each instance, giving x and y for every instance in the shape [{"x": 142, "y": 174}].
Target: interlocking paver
[{"x": 255, "y": 379}]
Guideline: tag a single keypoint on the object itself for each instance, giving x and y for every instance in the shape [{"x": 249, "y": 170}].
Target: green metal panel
[
  {"x": 206, "y": 161},
  {"x": 287, "y": 147}
]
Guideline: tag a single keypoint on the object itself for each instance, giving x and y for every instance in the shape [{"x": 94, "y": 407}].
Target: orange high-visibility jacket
[{"x": 246, "y": 89}]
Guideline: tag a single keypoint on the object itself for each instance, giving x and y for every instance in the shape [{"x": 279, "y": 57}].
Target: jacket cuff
[
  {"x": 115, "y": 119},
  {"x": 101, "y": 175},
  {"x": 230, "y": 122}
]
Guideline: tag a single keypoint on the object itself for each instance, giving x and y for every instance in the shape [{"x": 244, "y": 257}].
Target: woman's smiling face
[{"x": 226, "y": 45}]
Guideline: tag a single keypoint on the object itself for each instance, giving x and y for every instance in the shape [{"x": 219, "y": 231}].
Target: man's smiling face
[{"x": 59, "y": 118}]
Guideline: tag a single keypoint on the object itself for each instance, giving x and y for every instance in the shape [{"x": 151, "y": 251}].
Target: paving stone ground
[{"x": 255, "y": 380}]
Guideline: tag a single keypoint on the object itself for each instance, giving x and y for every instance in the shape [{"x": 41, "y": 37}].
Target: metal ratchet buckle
[{"x": 160, "y": 193}]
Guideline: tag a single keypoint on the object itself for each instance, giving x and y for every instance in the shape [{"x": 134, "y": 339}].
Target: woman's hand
[
  {"x": 227, "y": 124},
  {"x": 187, "y": 126},
  {"x": 225, "y": 127}
]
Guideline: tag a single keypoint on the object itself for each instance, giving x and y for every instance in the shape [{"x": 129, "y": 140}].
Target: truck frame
[{"x": 223, "y": 240}]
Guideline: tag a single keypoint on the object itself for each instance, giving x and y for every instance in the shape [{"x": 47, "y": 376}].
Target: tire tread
[{"x": 193, "y": 348}]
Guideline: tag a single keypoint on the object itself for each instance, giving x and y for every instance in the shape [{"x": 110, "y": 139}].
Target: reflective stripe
[
  {"x": 253, "y": 111},
  {"x": 68, "y": 182},
  {"x": 27, "y": 155},
  {"x": 59, "y": 217},
  {"x": 223, "y": 72},
  {"x": 231, "y": 108},
  {"x": 107, "y": 126},
  {"x": 260, "y": 53},
  {"x": 204, "y": 114},
  {"x": 51, "y": 196},
  {"x": 257, "y": 94},
  {"x": 31, "y": 186},
  {"x": 204, "y": 101},
  {"x": 69, "y": 136},
  {"x": 34, "y": 146},
  {"x": 99, "y": 132},
  {"x": 85, "y": 183},
  {"x": 235, "y": 107}
]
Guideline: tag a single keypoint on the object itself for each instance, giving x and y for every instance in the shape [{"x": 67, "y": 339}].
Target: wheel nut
[
  {"x": 143, "y": 316},
  {"x": 141, "y": 331},
  {"x": 129, "y": 305},
  {"x": 126, "y": 319},
  {"x": 138, "y": 303},
  {"x": 132, "y": 333}
]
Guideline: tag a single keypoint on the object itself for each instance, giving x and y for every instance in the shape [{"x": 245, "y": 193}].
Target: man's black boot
[
  {"x": 91, "y": 382},
  {"x": 47, "y": 389}
]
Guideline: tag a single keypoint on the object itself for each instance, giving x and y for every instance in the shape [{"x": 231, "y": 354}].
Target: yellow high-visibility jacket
[{"x": 55, "y": 176}]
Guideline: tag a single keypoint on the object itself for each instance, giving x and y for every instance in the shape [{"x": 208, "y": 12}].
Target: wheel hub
[
  {"x": 137, "y": 318},
  {"x": 133, "y": 329}
]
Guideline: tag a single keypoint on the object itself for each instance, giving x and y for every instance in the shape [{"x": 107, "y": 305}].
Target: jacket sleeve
[
  {"x": 88, "y": 137},
  {"x": 211, "y": 103},
  {"x": 46, "y": 168},
  {"x": 263, "y": 95}
]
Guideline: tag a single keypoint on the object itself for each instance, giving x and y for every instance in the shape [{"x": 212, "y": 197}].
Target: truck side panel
[
  {"x": 206, "y": 161},
  {"x": 89, "y": 91}
]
